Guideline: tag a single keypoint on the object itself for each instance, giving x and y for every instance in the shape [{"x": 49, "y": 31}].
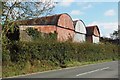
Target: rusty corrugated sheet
[
  {"x": 48, "y": 20},
  {"x": 64, "y": 34},
  {"x": 93, "y": 34},
  {"x": 65, "y": 21},
  {"x": 61, "y": 23},
  {"x": 91, "y": 30},
  {"x": 74, "y": 23},
  {"x": 89, "y": 39}
]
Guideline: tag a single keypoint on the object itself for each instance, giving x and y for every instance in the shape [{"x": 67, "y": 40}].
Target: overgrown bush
[
  {"x": 39, "y": 36},
  {"x": 61, "y": 52},
  {"x": 40, "y": 56}
]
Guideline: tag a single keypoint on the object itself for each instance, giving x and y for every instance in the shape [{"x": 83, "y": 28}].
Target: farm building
[
  {"x": 93, "y": 34},
  {"x": 62, "y": 24},
  {"x": 80, "y": 31}
]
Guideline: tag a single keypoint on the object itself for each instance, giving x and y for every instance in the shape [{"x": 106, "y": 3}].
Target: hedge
[
  {"x": 26, "y": 57},
  {"x": 60, "y": 52}
]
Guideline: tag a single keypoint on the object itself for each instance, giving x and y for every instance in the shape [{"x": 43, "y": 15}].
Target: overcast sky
[{"x": 103, "y": 14}]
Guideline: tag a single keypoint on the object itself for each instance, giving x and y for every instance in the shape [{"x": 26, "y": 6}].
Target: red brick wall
[{"x": 46, "y": 28}]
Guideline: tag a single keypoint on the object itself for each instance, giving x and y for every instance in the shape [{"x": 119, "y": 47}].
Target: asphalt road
[{"x": 100, "y": 70}]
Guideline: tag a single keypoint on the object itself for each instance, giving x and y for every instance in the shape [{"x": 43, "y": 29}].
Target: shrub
[
  {"x": 39, "y": 36},
  {"x": 60, "y": 52},
  {"x": 46, "y": 55}
]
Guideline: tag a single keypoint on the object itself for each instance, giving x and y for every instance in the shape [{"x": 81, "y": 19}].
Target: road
[{"x": 100, "y": 70}]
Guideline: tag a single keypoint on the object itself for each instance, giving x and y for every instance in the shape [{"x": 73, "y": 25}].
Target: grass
[
  {"x": 76, "y": 63},
  {"x": 14, "y": 70}
]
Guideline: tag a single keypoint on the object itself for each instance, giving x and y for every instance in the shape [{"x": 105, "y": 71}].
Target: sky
[{"x": 103, "y": 14}]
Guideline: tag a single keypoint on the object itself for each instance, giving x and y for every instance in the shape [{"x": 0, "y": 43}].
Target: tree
[
  {"x": 33, "y": 33},
  {"x": 16, "y": 10},
  {"x": 114, "y": 35},
  {"x": 21, "y": 10},
  {"x": 13, "y": 10},
  {"x": 39, "y": 36}
]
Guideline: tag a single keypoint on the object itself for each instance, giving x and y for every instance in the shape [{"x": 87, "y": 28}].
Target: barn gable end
[
  {"x": 80, "y": 31},
  {"x": 65, "y": 28},
  {"x": 93, "y": 34}
]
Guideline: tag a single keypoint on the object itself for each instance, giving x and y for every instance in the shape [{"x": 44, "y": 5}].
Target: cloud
[
  {"x": 110, "y": 25},
  {"x": 110, "y": 12},
  {"x": 106, "y": 28},
  {"x": 105, "y": 25},
  {"x": 66, "y": 3},
  {"x": 76, "y": 12},
  {"x": 87, "y": 6}
]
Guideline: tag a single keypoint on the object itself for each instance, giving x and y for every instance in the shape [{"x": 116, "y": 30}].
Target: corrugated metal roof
[
  {"x": 47, "y": 20},
  {"x": 90, "y": 30},
  {"x": 74, "y": 22}
]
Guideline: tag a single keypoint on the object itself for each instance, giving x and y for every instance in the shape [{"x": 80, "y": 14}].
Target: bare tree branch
[{"x": 25, "y": 10}]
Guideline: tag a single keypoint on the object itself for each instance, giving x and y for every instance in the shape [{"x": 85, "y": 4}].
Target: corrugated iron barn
[
  {"x": 80, "y": 31},
  {"x": 93, "y": 34},
  {"x": 61, "y": 23}
]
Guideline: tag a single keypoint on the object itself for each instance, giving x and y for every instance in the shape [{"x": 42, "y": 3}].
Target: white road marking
[
  {"x": 92, "y": 71},
  {"x": 57, "y": 70},
  {"x": 104, "y": 68}
]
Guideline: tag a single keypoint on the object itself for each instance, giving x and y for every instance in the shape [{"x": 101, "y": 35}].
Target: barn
[
  {"x": 62, "y": 24},
  {"x": 80, "y": 31},
  {"x": 93, "y": 34}
]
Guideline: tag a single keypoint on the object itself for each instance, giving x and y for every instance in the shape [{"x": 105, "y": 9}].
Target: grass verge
[{"x": 14, "y": 69}]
